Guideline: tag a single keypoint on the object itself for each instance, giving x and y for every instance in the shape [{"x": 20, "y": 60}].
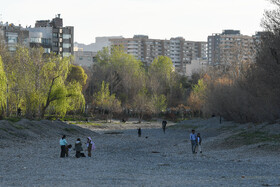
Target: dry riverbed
[{"x": 29, "y": 154}]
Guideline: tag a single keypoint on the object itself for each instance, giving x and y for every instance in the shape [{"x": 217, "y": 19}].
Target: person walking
[
  {"x": 90, "y": 146},
  {"x": 198, "y": 141},
  {"x": 63, "y": 144},
  {"x": 164, "y": 123},
  {"x": 193, "y": 141},
  {"x": 139, "y": 132}
]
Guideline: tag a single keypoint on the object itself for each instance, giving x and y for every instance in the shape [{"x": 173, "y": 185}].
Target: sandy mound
[{"x": 30, "y": 130}]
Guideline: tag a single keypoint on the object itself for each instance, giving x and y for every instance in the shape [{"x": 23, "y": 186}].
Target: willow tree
[
  {"x": 53, "y": 75},
  {"x": 3, "y": 88}
]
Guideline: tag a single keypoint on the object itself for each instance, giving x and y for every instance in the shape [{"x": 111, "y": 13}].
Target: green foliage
[
  {"x": 159, "y": 103},
  {"x": 122, "y": 71},
  {"x": 163, "y": 66},
  {"x": 3, "y": 86},
  {"x": 199, "y": 88},
  {"x": 13, "y": 119},
  {"x": 247, "y": 138},
  {"x": 197, "y": 96},
  {"x": 77, "y": 74},
  {"x": 105, "y": 100},
  {"x": 40, "y": 84}
]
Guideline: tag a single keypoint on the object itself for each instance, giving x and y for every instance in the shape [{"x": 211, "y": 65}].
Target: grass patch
[
  {"x": 19, "y": 127},
  {"x": 75, "y": 118},
  {"x": 183, "y": 126},
  {"x": 3, "y": 129},
  {"x": 248, "y": 138},
  {"x": 13, "y": 119},
  {"x": 227, "y": 127},
  {"x": 72, "y": 130},
  {"x": 86, "y": 123},
  {"x": 177, "y": 120}
]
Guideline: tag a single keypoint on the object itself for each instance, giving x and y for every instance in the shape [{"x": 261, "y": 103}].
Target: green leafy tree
[
  {"x": 3, "y": 87},
  {"x": 159, "y": 103},
  {"x": 107, "y": 101},
  {"x": 197, "y": 96},
  {"x": 122, "y": 71},
  {"x": 143, "y": 104},
  {"x": 77, "y": 74},
  {"x": 161, "y": 73}
]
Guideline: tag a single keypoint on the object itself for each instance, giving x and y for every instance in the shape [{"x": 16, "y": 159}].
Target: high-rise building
[
  {"x": 13, "y": 35},
  {"x": 229, "y": 46},
  {"x": 53, "y": 36},
  {"x": 180, "y": 51}
]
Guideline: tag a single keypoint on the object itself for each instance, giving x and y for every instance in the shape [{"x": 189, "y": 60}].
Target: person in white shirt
[{"x": 193, "y": 140}]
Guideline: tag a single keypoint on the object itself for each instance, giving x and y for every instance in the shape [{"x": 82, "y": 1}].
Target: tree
[
  {"x": 107, "y": 101},
  {"x": 122, "y": 71},
  {"x": 197, "y": 97},
  {"x": 3, "y": 87},
  {"x": 77, "y": 74},
  {"x": 142, "y": 104},
  {"x": 161, "y": 74},
  {"x": 159, "y": 103}
]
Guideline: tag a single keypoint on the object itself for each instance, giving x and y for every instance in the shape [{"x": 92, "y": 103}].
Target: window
[
  {"x": 12, "y": 48},
  {"x": 47, "y": 50},
  {"x": 66, "y": 45},
  {"x": 35, "y": 40},
  {"x": 66, "y": 36},
  {"x": 12, "y": 39},
  {"x": 66, "y": 54},
  {"x": 46, "y": 41}
]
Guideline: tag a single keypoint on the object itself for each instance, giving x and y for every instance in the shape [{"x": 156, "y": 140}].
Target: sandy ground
[{"x": 124, "y": 159}]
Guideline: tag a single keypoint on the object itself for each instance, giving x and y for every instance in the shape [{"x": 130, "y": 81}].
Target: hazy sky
[{"x": 160, "y": 19}]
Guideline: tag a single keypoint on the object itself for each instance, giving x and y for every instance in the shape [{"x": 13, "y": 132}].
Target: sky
[{"x": 159, "y": 19}]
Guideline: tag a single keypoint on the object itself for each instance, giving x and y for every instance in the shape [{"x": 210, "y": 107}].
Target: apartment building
[
  {"x": 53, "y": 36},
  {"x": 229, "y": 47},
  {"x": 180, "y": 51},
  {"x": 84, "y": 58},
  {"x": 14, "y": 35}
]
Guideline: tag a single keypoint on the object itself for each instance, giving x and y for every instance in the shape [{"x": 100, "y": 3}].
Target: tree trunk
[{"x": 48, "y": 99}]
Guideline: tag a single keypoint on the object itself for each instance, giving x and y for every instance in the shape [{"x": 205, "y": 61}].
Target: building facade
[
  {"x": 14, "y": 35},
  {"x": 229, "y": 47},
  {"x": 84, "y": 58},
  {"x": 180, "y": 51},
  {"x": 53, "y": 36}
]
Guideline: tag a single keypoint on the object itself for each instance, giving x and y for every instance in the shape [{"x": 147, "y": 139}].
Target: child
[
  {"x": 198, "y": 140},
  {"x": 90, "y": 146},
  {"x": 68, "y": 148}
]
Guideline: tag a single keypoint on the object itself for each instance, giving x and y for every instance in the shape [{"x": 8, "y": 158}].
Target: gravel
[{"x": 124, "y": 159}]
